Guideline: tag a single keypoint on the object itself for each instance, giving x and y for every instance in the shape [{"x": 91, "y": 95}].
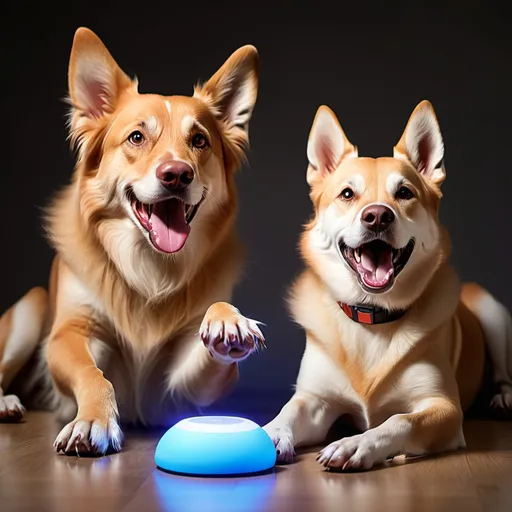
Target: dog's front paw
[
  {"x": 11, "y": 409},
  {"x": 501, "y": 403},
  {"x": 283, "y": 441},
  {"x": 228, "y": 335},
  {"x": 89, "y": 436},
  {"x": 356, "y": 452}
]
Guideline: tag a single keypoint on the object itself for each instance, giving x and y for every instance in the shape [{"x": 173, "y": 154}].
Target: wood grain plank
[{"x": 33, "y": 477}]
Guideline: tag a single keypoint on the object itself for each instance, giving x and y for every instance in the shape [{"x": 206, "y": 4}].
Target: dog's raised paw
[
  {"x": 228, "y": 335},
  {"x": 89, "y": 437},
  {"x": 11, "y": 409}
]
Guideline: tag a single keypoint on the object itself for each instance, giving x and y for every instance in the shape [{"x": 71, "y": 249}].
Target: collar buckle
[{"x": 370, "y": 315}]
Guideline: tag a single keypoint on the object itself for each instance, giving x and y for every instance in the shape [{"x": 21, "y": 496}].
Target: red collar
[{"x": 371, "y": 315}]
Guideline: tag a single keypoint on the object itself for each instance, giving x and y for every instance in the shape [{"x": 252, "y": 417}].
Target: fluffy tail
[{"x": 497, "y": 326}]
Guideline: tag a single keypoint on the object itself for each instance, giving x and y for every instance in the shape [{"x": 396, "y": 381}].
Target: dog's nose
[
  {"x": 175, "y": 174},
  {"x": 377, "y": 217}
]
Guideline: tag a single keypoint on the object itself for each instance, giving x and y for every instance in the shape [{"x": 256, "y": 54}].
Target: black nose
[
  {"x": 175, "y": 175},
  {"x": 377, "y": 217}
]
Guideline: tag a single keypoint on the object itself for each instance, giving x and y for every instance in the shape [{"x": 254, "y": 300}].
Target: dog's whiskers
[{"x": 215, "y": 200}]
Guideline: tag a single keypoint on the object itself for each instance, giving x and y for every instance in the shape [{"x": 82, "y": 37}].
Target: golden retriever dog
[
  {"x": 136, "y": 327},
  {"x": 394, "y": 342}
]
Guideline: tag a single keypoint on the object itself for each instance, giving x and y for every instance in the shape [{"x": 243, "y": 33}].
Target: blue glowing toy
[{"x": 215, "y": 446}]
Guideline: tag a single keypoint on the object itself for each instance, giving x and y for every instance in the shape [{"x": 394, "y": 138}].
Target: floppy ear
[
  {"x": 422, "y": 143},
  {"x": 232, "y": 91},
  {"x": 95, "y": 80},
  {"x": 327, "y": 145}
]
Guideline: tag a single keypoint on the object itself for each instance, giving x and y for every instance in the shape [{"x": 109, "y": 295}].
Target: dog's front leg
[
  {"x": 435, "y": 425},
  {"x": 304, "y": 420},
  {"x": 94, "y": 430},
  {"x": 315, "y": 406},
  {"x": 209, "y": 366}
]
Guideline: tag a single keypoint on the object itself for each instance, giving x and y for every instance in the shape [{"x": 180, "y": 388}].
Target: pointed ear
[
  {"x": 422, "y": 144},
  {"x": 232, "y": 91},
  {"x": 327, "y": 145},
  {"x": 95, "y": 79}
]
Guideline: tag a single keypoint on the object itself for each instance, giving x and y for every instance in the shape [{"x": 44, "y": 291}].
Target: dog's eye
[
  {"x": 404, "y": 193},
  {"x": 199, "y": 141},
  {"x": 347, "y": 194},
  {"x": 136, "y": 138}
]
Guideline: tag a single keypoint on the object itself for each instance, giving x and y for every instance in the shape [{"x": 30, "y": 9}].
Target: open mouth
[
  {"x": 167, "y": 222},
  {"x": 377, "y": 263}
]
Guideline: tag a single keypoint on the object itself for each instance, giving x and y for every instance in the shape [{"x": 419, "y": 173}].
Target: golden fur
[
  {"x": 404, "y": 384},
  {"x": 123, "y": 314}
]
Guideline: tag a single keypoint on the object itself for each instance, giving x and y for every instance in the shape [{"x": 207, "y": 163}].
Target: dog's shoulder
[{"x": 314, "y": 308}]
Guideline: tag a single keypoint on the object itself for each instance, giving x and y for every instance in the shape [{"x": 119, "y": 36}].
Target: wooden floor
[{"x": 33, "y": 477}]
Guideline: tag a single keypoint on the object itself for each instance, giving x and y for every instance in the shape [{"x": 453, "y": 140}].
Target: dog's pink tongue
[
  {"x": 169, "y": 229},
  {"x": 378, "y": 267}
]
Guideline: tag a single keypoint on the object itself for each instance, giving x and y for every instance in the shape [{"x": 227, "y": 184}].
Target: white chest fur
[{"x": 364, "y": 371}]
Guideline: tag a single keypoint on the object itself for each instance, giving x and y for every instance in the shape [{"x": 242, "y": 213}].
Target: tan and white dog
[
  {"x": 393, "y": 341},
  {"x": 146, "y": 254}
]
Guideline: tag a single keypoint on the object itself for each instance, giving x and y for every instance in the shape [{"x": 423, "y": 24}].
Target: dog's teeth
[{"x": 357, "y": 254}]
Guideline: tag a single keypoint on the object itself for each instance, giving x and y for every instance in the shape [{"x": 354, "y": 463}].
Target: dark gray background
[{"x": 372, "y": 65}]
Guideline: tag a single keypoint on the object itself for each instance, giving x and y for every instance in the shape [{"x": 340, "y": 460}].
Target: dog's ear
[
  {"x": 232, "y": 91},
  {"x": 422, "y": 144},
  {"x": 95, "y": 80},
  {"x": 327, "y": 145}
]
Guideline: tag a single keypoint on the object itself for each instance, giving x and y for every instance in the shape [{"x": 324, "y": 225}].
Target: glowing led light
[{"x": 215, "y": 445}]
